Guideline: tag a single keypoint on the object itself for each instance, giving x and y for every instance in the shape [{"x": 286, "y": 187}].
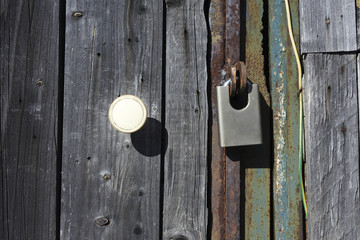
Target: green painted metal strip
[
  {"x": 257, "y": 172},
  {"x": 285, "y": 104}
]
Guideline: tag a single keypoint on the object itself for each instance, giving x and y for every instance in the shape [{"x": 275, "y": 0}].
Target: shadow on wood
[{"x": 144, "y": 139}]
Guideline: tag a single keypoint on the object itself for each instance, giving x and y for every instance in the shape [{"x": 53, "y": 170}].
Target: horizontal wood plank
[
  {"x": 328, "y": 26},
  {"x": 332, "y": 146}
]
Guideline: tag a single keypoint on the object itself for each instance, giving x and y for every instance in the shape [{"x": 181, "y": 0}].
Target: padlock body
[{"x": 239, "y": 127}]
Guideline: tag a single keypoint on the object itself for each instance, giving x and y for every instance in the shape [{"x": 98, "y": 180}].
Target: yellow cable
[{"x": 288, "y": 16}]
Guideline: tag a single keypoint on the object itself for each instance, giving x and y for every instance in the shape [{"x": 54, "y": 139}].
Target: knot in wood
[{"x": 343, "y": 129}]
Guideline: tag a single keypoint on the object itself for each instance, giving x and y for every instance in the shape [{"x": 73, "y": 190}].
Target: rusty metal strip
[
  {"x": 232, "y": 31},
  {"x": 232, "y": 193},
  {"x": 225, "y": 30},
  {"x": 283, "y": 81},
  {"x": 217, "y": 23},
  {"x": 226, "y": 200},
  {"x": 257, "y": 176},
  {"x": 254, "y": 49}
]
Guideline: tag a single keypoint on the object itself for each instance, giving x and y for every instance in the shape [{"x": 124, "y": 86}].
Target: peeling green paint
[{"x": 285, "y": 104}]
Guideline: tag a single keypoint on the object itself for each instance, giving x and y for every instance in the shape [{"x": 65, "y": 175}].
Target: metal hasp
[{"x": 239, "y": 127}]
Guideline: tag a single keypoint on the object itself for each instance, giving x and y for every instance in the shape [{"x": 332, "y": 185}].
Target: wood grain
[
  {"x": 111, "y": 180},
  {"x": 332, "y": 146},
  {"x": 185, "y": 193},
  {"x": 328, "y": 26},
  {"x": 29, "y": 112},
  {"x": 357, "y": 3}
]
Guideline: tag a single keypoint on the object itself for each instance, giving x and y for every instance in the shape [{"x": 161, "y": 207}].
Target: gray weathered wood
[
  {"x": 328, "y": 26},
  {"x": 29, "y": 110},
  {"x": 112, "y": 48},
  {"x": 332, "y": 146},
  {"x": 185, "y": 194},
  {"x": 358, "y": 21}
]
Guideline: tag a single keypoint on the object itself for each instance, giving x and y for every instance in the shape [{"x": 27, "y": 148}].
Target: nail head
[
  {"x": 77, "y": 14},
  {"x": 39, "y": 82},
  {"x": 107, "y": 177},
  {"x": 103, "y": 221}
]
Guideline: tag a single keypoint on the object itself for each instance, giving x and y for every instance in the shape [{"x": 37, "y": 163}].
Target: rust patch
[
  {"x": 232, "y": 31},
  {"x": 254, "y": 50},
  {"x": 225, "y": 194},
  {"x": 232, "y": 55},
  {"x": 257, "y": 180}
]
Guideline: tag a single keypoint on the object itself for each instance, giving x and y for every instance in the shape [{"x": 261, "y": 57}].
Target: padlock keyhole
[{"x": 240, "y": 100}]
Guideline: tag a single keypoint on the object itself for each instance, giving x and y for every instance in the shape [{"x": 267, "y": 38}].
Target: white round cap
[{"x": 127, "y": 113}]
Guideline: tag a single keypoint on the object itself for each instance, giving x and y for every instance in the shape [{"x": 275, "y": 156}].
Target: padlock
[{"x": 239, "y": 127}]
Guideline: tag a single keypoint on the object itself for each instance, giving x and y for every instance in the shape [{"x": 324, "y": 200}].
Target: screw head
[
  {"x": 77, "y": 14},
  {"x": 103, "y": 221},
  {"x": 39, "y": 82},
  {"x": 107, "y": 177}
]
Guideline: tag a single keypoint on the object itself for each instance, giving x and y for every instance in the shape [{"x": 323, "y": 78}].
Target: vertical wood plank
[
  {"x": 185, "y": 194},
  {"x": 328, "y": 26},
  {"x": 332, "y": 146},
  {"x": 111, "y": 180},
  {"x": 357, "y": 3},
  {"x": 29, "y": 110}
]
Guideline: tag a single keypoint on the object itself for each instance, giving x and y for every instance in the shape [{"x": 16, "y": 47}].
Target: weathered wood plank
[
  {"x": 112, "y": 48},
  {"x": 29, "y": 111},
  {"x": 358, "y": 21},
  {"x": 185, "y": 194},
  {"x": 328, "y": 26},
  {"x": 332, "y": 146}
]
